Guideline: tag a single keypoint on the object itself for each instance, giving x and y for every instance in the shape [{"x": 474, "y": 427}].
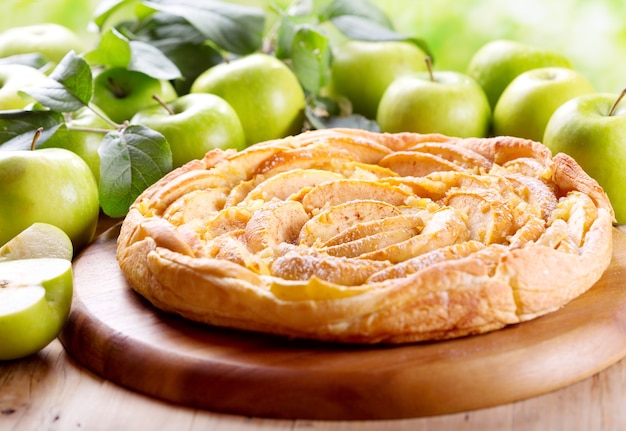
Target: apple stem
[
  {"x": 619, "y": 99},
  {"x": 117, "y": 90},
  {"x": 163, "y": 104},
  {"x": 429, "y": 66},
  {"x": 36, "y": 138}
]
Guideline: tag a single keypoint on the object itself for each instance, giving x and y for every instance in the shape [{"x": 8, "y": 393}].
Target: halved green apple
[
  {"x": 35, "y": 300},
  {"x": 38, "y": 240}
]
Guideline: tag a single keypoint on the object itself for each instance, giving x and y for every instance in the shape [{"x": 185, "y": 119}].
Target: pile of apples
[
  {"x": 85, "y": 128},
  {"x": 509, "y": 88}
]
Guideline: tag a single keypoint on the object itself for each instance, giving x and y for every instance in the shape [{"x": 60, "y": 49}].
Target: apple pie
[{"x": 360, "y": 237}]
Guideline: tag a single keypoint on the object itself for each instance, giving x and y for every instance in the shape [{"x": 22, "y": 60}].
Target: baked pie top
[{"x": 354, "y": 236}]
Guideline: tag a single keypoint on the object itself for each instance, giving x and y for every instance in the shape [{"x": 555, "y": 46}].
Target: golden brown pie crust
[{"x": 353, "y": 236}]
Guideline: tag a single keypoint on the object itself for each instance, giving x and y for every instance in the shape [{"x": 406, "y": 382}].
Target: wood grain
[{"x": 116, "y": 334}]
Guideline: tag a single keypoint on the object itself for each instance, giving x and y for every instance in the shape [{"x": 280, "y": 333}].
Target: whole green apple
[
  {"x": 13, "y": 78},
  {"x": 496, "y": 63},
  {"x": 529, "y": 101},
  {"x": 263, "y": 91},
  {"x": 35, "y": 300},
  {"x": 82, "y": 134},
  {"x": 594, "y": 134},
  {"x": 120, "y": 92},
  {"x": 51, "y": 185},
  {"x": 361, "y": 70},
  {"x": 38, "y": 240},
  {"x": 193, "y": 125},
  {"x": 51, "y": 40},
  {"x": 447, "y": 102}
]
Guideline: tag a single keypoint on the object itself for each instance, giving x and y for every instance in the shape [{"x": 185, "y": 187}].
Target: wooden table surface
[{"x": 51, "y": 391}]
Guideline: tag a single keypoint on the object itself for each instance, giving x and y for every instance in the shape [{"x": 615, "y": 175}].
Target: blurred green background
[{"x": 591, "y": 33}]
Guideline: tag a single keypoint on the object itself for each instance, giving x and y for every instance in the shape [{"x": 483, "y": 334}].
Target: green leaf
[
  {"x": 423, "y": 46},
  {"x": 287, "y": 29},
  {"x": 303, "y": 8},
  {"x": 68, "y": 88},
  {"x": 362, "y": 9},
  {"x": 311, "y": 56},
  {"x": 107, "y": 8},
  {"x": 33, "y": 59},
  {"x": 74, "y": 74},
  {"x": 356, "y": 27},
  {"x": 353, "y": 121},
  {"x": 325, "y": 112},
  {"x": 113, "y": 50},
  {"x": 17, "y": 128},
  {"x": 360, "y": 19},
  {"x": 130, "y": 161},
  {"x": 150, "y": 60},
  {"x": 179, "y": 41},
  {"x": 160, "y": 26},
  {"x": 192, "y": 60},
  {"x": 232, "y": 27},
  {"x": 116, "y": 50},
  {"x": 287, "y": 26}
]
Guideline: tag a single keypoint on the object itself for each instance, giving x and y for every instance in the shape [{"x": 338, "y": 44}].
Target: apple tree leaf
[
  {"x": 161, "y": 26},
  {"x": 68, "y": 88},
  {"x": 116, "y": 50},
  {"x": 311, "y": 56},
  {"x": 235, "y": 28},
  {"x": 32, "y": 59},
  {"x": 363, "y": 20},
  {"x": 353, "y": 121},
  {"x": 113, "y": 50},
  {"x": 287, "y": 28},
  {"x": 74, "y": 74},
  {"x": 362, "y": 11},
  {"x": 356, "y": 27},
  {"x": 107, "y": 8},
  {"x": 192, "y": 60},
  {"x": 130, "y": 161},
  {"x": 18, "y": 128},
  {"x": 289, "y": 22},
  {"x": 151, "y": 61},
  {"x": 179, "y": 41}
]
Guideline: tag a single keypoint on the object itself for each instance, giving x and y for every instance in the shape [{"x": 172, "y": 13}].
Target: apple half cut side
[
  {"x": 35, "y": 299},
  {"x": 37, "y": 241}
]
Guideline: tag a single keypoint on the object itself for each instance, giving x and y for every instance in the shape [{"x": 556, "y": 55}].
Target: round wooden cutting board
[{"x": 116, "y": 334}]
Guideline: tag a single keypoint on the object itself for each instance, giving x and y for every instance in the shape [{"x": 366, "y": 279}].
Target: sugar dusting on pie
[{"x": 353, "y": 236}]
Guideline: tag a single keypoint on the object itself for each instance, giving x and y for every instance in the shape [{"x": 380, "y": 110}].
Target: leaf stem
[
  {"x": 104, "y": 117},
  {"x": 619, "y": 99},
  {"x": 90, "y": 129}
]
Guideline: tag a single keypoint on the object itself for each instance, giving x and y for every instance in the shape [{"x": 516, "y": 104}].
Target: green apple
[
  {"x": 445, "y": 102},
  {"x": 592, "y": 129},
  {"x": 82, "y": 134},
  {"x": 51, "y": 185},
  {"x": 194, "y": 124},
  {"x": 361, "y": 70},
  {"x": 120, "y": 92},
  {"x": 529, "y": 101},
  {"x": 51, "y": 40},
  {"x": 35, "y": 300},
  {"x": 498, "y": 62},
  {"x": 263, "y": 91},
  {"x": 38, "y": 240},
  {"x": 13, "y": 78}
]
